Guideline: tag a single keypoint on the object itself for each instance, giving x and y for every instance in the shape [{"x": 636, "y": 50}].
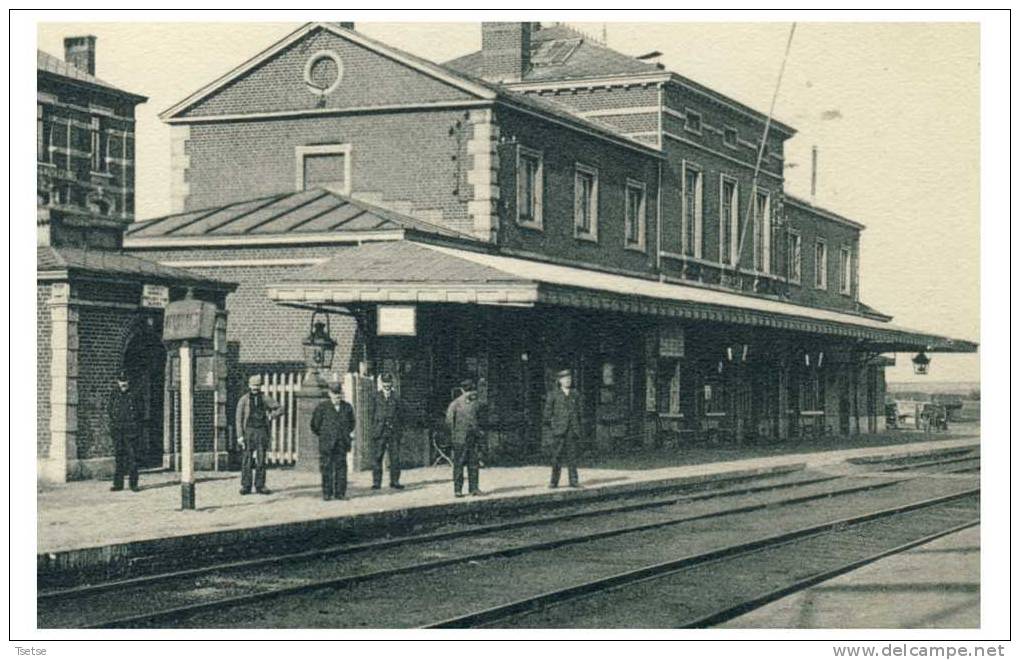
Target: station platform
[
  {"x": 936, "y": 585},
  {"x": 84, "y": 524}
]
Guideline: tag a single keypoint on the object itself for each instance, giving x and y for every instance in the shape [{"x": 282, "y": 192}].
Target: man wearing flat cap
[
  {"x": 333, "y": 423},
  {"x": 124, "y": 414},
  {"x": 388, "y": 417},
  {"x": 562, "y": 416},
  {"x": 255, "y": 411},
  {"x": 465, "y": 434}
]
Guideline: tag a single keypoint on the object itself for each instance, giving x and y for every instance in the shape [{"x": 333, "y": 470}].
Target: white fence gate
[{"x": 283, "y": 432}]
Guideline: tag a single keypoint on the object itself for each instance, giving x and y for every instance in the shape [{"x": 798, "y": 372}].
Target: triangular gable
[{"x": 373, "y": 75}]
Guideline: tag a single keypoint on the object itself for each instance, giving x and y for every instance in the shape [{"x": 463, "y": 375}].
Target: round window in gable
[{"x": 323, "y": 72}]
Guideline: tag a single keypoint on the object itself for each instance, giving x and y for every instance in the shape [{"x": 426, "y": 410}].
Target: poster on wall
[
  {"x": 671, "y": 342},
  {"x": 651, "y": 373}
]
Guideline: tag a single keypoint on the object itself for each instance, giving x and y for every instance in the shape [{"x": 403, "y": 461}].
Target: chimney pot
[
  {"x": 80, "y": 52},
  {"x": 506, "y": 51},
  {"x": 347, "y": 26}
]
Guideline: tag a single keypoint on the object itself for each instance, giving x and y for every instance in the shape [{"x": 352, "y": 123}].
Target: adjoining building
[
  {"x": 543, "y": 203},
  {"x": 99, "y": 309}
]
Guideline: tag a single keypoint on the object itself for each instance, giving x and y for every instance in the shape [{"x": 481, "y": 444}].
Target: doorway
[{"x": 144, "y": 363}]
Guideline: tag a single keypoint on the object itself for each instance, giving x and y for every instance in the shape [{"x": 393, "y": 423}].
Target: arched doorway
[{"x": 144, "y": 362}]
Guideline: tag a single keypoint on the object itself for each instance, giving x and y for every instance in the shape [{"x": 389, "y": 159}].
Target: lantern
[
  {"x": 318, "y": 345},
  {"x": 921, "y": 362}
]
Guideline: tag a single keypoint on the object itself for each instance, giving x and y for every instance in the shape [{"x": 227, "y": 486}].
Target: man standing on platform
[
  {"x": 255, "y": 411},
  {"x": 333, "y": 423},
  {"x": 462, "y": 420},
  {"x": 124, "y": 416},
  {"x": 387, "y": 429},
  {"x": 562, "y": 416}
]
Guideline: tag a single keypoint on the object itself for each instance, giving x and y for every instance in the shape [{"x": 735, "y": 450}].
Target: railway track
[
  {"x": 182, "y": 597},
  {"x": 804, "y": 557}
]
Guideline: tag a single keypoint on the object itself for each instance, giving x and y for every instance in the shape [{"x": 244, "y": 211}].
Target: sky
[{"x": 892, "y": 107}]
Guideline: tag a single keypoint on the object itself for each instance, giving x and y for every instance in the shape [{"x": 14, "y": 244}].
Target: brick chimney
[
  {"x": 506, "y": 51},
  {"x": 80, "y": 52},
  {"x": 347, "y": 26}
]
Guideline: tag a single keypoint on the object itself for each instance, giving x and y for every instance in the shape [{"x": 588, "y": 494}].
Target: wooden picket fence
[{"x": 283, "y": 439}]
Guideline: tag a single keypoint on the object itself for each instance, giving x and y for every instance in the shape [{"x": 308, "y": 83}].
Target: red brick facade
[{"x": 449, "y": 150}]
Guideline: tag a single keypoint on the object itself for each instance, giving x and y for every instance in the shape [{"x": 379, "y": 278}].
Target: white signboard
[
  {"x": 154, "y": 295},
  {"x": 397, "y": 320}
]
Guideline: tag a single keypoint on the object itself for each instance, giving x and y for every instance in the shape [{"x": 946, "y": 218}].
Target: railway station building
[
  {"x": 541, "y": 204},
  {"x": 100, "y": 309}
]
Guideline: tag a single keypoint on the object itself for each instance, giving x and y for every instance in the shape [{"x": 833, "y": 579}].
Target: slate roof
[
  {"x": 110, "y": 262},
  {"x": 314, "y": 211},
  {"x": 53, "y": 64},
  {"x": 588, "y": 60},
  {"x": 541, "y": 105},
  {"x": 403, "y": 261},
  {"x": 592, "y": 60}
]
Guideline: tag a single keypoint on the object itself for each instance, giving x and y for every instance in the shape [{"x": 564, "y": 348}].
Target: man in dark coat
[
  {"x": 462, "y": 420},
  {"x": 387, "y": 429},
  {"x": 562, "y": 416},
  {"x": 333, "y": 423},
  {"x": 123, "y": 412},
  {"x": 255, "y": 411}
]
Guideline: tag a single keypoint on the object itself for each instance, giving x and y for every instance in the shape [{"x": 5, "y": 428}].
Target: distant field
[{"x": 961, "y": 388}]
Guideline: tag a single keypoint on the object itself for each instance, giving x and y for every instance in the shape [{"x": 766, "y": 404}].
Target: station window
[
  {"x": 793, "y": 254},
  {"x": 729, "y": 219},
  {"x": 821, "y": 265},
  {"x": 43, "y": 135},
  {"x": 692, "y": 211},
  {"x": 323, "y": 166},
  {"x": 730, "y": 136},
  {"x": 692, "y": 121},
  {"x": 716, "y": 397},
  {"x": 635, "y": 220},
  {"x": 586, "y": 208},
  {"x": 97, "y": 145},
  {"x": 845, "y": 270},
  {"x": 762, "y": 231},
  {"x": 529, "y": 188},
  {"x": 812, "y": 391}
]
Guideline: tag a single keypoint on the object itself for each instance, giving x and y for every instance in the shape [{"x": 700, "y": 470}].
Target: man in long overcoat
[
  {"x": 255, "y": 411},
  {"x": 562, "y": 416},
  {"x": 124, "y": 415},
  {"x": 333, "y": 423},
  {"x": 465, "y": 434},
  {"x": 388, "y": 418}
]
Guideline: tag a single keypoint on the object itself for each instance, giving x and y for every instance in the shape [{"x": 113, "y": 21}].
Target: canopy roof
[
  {"x": 59, "y": 262},
  {"x": 414, "y": 272}
]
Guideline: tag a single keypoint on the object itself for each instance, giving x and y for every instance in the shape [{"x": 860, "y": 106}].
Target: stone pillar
[
  {"x": 312, "y": 392},
  {"x": 483, "y": 175},
  {"x": 220, "y": 412},
  {"x": 63, "y": 386}
]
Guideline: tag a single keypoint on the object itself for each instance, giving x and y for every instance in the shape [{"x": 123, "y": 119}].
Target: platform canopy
[{"x": 419, "y": 272}]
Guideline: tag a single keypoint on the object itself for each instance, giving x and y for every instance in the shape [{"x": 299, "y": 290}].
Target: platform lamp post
[
  {"x": 318, "y": 349},
  {"x": 921, "y": 364}
]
